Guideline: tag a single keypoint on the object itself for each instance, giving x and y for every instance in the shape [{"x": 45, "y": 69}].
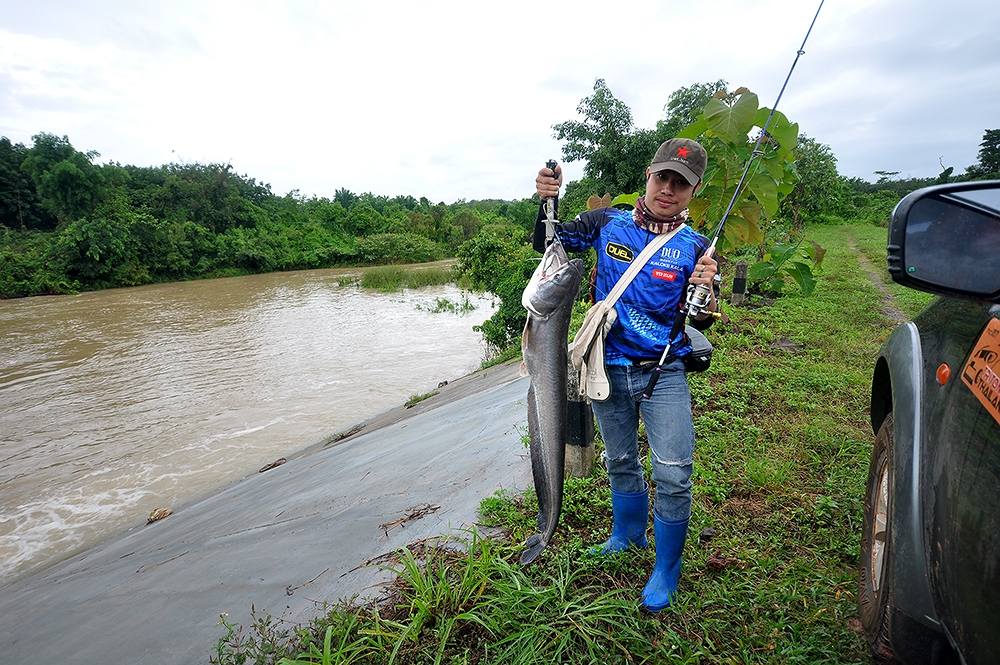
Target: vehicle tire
[{"x": 875, "y": 583}]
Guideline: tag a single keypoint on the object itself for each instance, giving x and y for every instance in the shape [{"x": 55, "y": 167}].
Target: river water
[{"x": 114, "y": 403}]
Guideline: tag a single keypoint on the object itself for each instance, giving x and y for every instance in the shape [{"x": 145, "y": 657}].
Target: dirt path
[{"x": 889, "y": 309}]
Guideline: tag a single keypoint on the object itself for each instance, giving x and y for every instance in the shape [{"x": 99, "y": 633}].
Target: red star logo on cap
[{"x": 682, "y": 152}]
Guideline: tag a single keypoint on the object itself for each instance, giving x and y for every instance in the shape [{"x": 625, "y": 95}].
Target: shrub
[{"x": 398, "y": 248}]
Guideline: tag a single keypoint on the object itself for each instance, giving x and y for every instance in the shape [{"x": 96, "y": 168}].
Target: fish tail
[{"x": 534, "y": 549}]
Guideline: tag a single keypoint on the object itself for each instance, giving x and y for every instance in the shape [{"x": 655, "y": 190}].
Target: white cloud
[{"x": 456, "y": 100}]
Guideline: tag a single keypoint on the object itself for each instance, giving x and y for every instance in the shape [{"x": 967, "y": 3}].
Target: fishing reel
[{"x": 699, "y": 297}]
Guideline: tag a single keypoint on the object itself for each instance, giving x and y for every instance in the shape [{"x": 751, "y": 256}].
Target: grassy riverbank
[
  {"x": 387, "y": 279},
  {"x": 783, "y": 448}
]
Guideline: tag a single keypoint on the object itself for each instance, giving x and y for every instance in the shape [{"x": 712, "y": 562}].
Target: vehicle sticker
[
  {"x": 665, "y": 275},
  {"x": 619, "y": 252},
  {"x": 982, "y": 371}
]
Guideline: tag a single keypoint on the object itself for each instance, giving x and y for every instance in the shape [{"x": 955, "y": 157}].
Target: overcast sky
[{"x": 457, "y": 100}]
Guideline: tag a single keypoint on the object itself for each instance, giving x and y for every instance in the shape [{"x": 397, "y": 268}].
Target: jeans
[{"x": 669, "y": 430}]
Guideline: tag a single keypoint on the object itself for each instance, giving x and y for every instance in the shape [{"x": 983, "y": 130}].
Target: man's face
[{"x": 667, "y": 193}]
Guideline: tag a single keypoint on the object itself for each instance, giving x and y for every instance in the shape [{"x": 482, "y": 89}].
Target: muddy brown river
[{"x": 113, "y": 403}]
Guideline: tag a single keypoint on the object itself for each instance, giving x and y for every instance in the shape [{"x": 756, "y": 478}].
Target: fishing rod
[{"x": 699, "y": 297}]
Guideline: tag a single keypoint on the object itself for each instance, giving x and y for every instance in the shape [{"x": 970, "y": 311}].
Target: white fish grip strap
[{"x": 586, "y": 352}]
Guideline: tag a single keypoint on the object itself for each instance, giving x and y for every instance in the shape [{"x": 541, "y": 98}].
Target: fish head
[{"x": 555, "y": 281}]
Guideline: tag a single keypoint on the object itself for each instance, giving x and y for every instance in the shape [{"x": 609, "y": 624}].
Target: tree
[
  {"x": 885, "y": 176},
  {"x": 467, "y": 222},
  {"x": 499, "y": 260},
  {"x": 685, "y": 105},
  {"x": 345, "y": 197},
  {"x": 68, "y": 184},
  {"x": 20, "y": 207},
  {"x": 363, "y": 220},
  {"x": 989, "y": 156},
  {"x": 209, "y": 194},
  {"x": 819, "y": 188},
  {"x": 615, "y": 154}
]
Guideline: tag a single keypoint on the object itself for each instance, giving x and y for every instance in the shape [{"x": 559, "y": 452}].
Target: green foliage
[
  {"x": 870, "y": 207},
  {"x": 685, "y": 105},
  {"x": 417, "y": 278},
  {"x": 20, "y": 207},
  {"x": 818, "y": 190},
  {"x": 989, "y": 157},
  {"x": 101, "y": 250},
  {"x": 211, "y": 195},
  {"x": 398, "y": 248},
  {"x": 418, "y": 398},
  {"x": 465, "y": 223},
  {"x": 989, "y": 151},
  {"x": 786, "y": 260},
  {"x": 499, "y": 260},
  {"x": 69, "y": 186},
  {"x": 574, "y": 199},
  {"x": 363, "y": 220},
  {"x": 616, "y": 153},
  {"x": 115, "y": 225},
  {"x": 28, "y": 267},
  {"x": 345, "y": 198},
  {"x": 441, "y": 305},
  {"x": 394, "y": 278},
  {"x": 723, "y": 129}
]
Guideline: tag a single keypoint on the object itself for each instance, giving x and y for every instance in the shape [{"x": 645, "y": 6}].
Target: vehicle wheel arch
[
  {"x": 881, "y": 396},
  {"x": 897, "y": 388}
]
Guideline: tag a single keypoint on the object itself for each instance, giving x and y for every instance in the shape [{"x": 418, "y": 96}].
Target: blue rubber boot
[
  {"x": 630, "y": 514},
  {"x": 662, "y": 583}
]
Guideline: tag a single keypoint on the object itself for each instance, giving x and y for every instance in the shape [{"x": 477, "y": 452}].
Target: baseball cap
[{"x": 684, "y": 156}]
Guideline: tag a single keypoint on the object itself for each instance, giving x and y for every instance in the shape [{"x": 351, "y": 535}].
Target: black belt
[{"x": 650, "y": 363}]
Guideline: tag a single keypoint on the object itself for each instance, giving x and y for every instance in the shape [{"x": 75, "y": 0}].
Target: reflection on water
[{"x": 113, "y": 403}]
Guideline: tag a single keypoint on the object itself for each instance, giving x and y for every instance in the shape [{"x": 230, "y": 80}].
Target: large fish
[{"x": 549, "y": 300}]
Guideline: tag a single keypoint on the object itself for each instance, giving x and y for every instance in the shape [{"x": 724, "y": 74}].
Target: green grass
[
  {"x": 780, "y": 469},
  {"x": 442, "y": 305},
  {"x": 394, "y": 278},
  {"x": 417, "y": 399},
  {"x": 871, "y": 240}
]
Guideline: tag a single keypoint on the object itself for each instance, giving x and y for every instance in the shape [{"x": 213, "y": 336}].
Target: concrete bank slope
[{"x": 284, "y": 541}]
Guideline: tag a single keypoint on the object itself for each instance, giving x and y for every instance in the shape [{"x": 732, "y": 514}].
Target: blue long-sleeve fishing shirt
[{"x": 648, "y": 307}]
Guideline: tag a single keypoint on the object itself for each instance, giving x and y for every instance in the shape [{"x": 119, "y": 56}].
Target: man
[{"x": 645, "y": 314}]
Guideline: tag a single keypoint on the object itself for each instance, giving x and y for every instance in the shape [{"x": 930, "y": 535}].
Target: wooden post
[
  {"x": 739, "y": 284},
  {"x": 579, "y": 427}
]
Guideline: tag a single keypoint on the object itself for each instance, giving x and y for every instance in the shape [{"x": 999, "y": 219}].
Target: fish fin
[
  {"x": 533, "y": 539},
  {"x": 525, "y": 335},
  {"x": 533, "y": 551}
]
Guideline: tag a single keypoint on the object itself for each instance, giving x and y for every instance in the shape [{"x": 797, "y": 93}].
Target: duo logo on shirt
[{"x": 619, "y": 252}]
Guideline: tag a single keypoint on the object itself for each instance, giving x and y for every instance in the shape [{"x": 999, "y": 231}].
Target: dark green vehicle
[{"x": 930, "y": 552}]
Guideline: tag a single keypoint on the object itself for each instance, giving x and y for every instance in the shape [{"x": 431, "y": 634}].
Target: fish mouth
[
  {"x": 555, "y": 280},
  {"x": 546, "y": 278}
]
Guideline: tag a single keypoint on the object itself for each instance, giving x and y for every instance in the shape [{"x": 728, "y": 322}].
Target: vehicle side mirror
[{"x": 946, "y": 239}]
